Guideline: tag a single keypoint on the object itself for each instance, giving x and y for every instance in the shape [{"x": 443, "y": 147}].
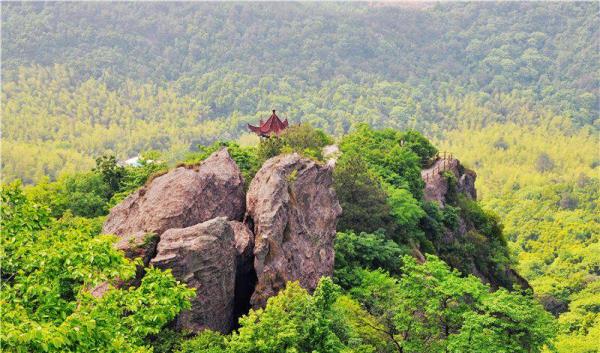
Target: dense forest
[
  {"x": 510, "y": 88},
  {"x": 133, "y": 77}
]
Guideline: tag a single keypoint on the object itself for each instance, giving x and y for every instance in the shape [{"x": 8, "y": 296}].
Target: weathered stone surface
[
  {"x": 436, "y": 185},
  {"x": 204, "y": 257},
  {"x": 244, "y": 246},
  {"x": 294, "y": 208},
  {"x": 180, "y": 198},
  {"x": 99, "y": 290}
]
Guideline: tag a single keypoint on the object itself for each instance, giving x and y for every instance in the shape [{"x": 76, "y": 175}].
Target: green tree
[
  {"x": 419, "y": 145},
  {"x": 363, "y": 200},
  {"x": 82, "y": 194},
  {"x": 269, "y": 147},
  {"x": 111, "y": 172},
  {"x": 397, "y": 165},
  {"x": 435, "y": 309},
  {"x": 49, "y": 269},
  {"x": 405, "y": 210},
  {"x": 294, "y": 321},
  {"x": 291, "y": 320},
  {"x": 544, "y": 163},
  {"x": 371, "y": 251},
  {"x": 305, "y": 139}
]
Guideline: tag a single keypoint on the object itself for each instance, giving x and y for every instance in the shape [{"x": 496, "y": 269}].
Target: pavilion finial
[{"x": 273, "y": 111}]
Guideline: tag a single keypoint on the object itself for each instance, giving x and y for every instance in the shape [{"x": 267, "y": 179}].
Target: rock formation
[
  {"x": 294, "y": 209},
  {"x": 244, "y": 246},
  {"x": 436, "y": 185},
  {"x": 188, "y": 221},
  {"x": 180, "y": 220},
  {"x": 178, "y": 199},
  {"x": 204, "y": 257},
  {"x": 444, "y": 190}
]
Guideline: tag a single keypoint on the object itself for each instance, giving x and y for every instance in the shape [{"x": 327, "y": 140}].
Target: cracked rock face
[
  {"x": 245, "y": 277},
  {"x": 244, "y": 246},
  {"x": 180, "y": 221},
  {"x": 295, "y": 210},
  {"x": 204, "y": 257},
  {"x": 178, "y": 199}
]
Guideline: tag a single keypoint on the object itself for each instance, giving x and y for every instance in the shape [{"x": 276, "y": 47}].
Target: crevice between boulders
[{"x": 245, "y": 282}]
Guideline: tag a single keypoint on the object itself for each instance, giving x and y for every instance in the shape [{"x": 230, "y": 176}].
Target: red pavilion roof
[{"x": 273, "y": 125}]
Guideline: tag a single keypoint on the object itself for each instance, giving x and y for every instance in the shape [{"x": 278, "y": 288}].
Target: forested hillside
[
  {"x": 544, "y": 185},
  {"x": 509, "y": 88},
  {"x": 170, "y": 76}
]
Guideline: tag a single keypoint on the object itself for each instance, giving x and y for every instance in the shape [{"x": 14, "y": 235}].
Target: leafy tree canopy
[
  {"x": 432, "y": 308},
  {"x": 50, "y": 267}
]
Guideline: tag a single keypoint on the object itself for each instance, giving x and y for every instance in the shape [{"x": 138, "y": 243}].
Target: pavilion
[{"x": 273, "y": 126}]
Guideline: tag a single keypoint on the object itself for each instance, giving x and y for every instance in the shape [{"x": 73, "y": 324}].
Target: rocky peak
[
  {"x": 180, "y": 221},
  {"x": 436, "y": 184},
  {"x": 444, "y": 180},
  {"x": 294, "y": 209}
]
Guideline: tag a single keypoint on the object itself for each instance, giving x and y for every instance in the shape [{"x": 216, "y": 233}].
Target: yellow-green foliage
[
  {"x": 49, "y": 267},
  {"x": 51, "y": 125},
  {"x": 551, "y": 217}
]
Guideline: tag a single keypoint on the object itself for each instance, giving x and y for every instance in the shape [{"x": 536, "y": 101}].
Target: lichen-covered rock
[
  {"x": 437, "y": 186},
  {"x": 294, "y": 208},
  {"x": 180, "y": 198},
  {"x": 204, "y": 257}
]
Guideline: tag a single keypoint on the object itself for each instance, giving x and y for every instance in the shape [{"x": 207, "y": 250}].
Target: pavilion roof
[{"x": 273, "y": 125}]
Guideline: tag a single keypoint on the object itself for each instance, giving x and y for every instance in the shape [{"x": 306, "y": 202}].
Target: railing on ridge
[{"x": 446, "y": 158}]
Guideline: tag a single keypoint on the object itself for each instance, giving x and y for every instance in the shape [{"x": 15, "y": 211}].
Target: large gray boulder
[
  {"x": 295, "y": 210},
  {"x": 180, "y": 198},
  {"x": 204, "y": 257}
]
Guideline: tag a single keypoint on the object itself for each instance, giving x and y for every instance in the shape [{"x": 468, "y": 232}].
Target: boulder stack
[
  {"x": 180, "y": 198},
  {"x": 189, "y": 221}
]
